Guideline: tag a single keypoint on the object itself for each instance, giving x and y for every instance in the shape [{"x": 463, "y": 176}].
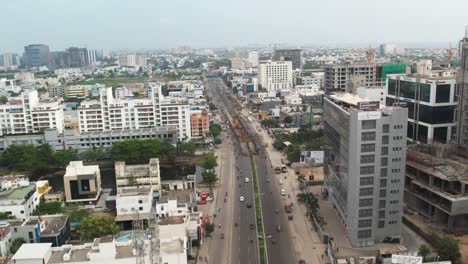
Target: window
[
  {"x": 366, "y": 181},
  {"x": 384, "y": 151},
  {"x": 140, "y": 208},
  {"x": 365, "y": 223},
  {"x": 367, "y": 170},
  {"x": 383, "y": 172},
  {"x": 367, "y": 158},
  {"x": 383, "y": 193},
  {"x": 367, "y": 147},
  {"x": 140, "y": 201},
  {"x": 365, "y": 202},
  {"x": 384, "y": 161},
  {"x": 381, "y": 224},
  {"x": 384, "y": 140},
  {"x": 366, "y": 191},
  {"x": 368, "y": 136},
  {"x": 364, "y": 234},
  {"x": 381, "y": 214},
  {"x": 443, "y": 93},
  {"x": 22, "y": 211},
  {"x": 382, "y": 204},
  {"x": 386, "y": 128},
  {"x": 383, "y": 183},
  {"x": 31, "y": 236},
  {"x": 365, "y": 212},
  {"x": 368, "y": 124}
]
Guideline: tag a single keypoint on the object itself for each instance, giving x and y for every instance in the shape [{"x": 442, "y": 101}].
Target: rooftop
[
  {"x": 32, "y": 251},
  {"x": 78, "y": 255},
  {"x": 52, "y": 224},
  {"x": 18, "y": 193},
  {"x": 77, "y": 168},
  {"x": 182, "y": 196}
]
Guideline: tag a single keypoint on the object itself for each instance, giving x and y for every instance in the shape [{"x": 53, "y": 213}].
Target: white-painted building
[
  {"x": 18, "y": 197},
  {"x": 253, "y": 58},
  {"x": 82, "y": 183},
  {"x": 275, "y": 75},
  {"x": 26, "y": 114},
  {"x": 39, "y": 253},
  {"x": 5, "y": 238},
  {"x": 293, "y": 99},
  {"x": 133, "y": 60}
]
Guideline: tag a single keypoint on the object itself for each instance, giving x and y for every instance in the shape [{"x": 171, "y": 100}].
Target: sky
[{"x": 152, "y": 24}]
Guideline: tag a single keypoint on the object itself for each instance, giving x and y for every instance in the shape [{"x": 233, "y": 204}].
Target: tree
[
  {"x": 215, "y": 130},
  {"x": 278, "y": 144},
  {"x": 447, "y": 248},
  {"x": 208, "y": 162},
  {"x": 62, "y": 158},
  {"x": 188, "y": 147},
  {"x": 424, "y": 251},
  {"x": 269, "y": 123},
  {"x": 16, "y": 244},
  {"x": 210, "y": 178},
  {"x": 5, "y": 216},
  {"x": 209, "y": 228},
  {"x": 288, "y": 120},
  {"x": 3, "y": 99},
  {"x": 93, "y": 154},
  {"x": 48, "y": 208},
  {"x": 97, "y": 226},
  {"x": 217, "y": 141}
]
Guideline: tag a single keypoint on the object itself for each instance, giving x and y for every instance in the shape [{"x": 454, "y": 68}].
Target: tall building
[
  {"x": 110, "y": 113},
  {"x": 253, "y": 58},
  {"x": 292, "y": 55},
  {"x": 275, "y": 75},
  {"x": 9, "y": 60},
  {"x": 133, "y": 60},
  {"x": 430, "y": 98},
  {"x": 92, "y": 56},
  {"x": 26, "y": 114},
  {"x": 36, "y": 55},
  {"x": 365, "y": 165},
  {"x": 340, "y": 77},
  {"x": 462, "y": 79},
  {"x": 78, "y": 57},
  {"x": 60, "y": 59},
  {"x": 390, "y": 49}
]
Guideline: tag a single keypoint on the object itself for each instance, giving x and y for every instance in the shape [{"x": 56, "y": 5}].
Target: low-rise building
[
  {"x": 39, "y": 253},
  {"x": 82, "y": 183},
  {"x": 19, "y": 198},
  {"x": 43, "y": 229},
  {"x": 5, "y": 238}
]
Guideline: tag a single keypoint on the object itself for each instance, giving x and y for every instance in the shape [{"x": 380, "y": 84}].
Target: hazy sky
[{"x": 116, "y": 24}]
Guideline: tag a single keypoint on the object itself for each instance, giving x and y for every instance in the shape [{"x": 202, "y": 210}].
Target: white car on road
[
  {"x": 281, "y": 182},
  {"x": 241, "y": 198},
  {"x": 246, "y": 179}
]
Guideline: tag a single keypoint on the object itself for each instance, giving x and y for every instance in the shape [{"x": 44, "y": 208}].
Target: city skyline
[{"x": 94, "y": 24}]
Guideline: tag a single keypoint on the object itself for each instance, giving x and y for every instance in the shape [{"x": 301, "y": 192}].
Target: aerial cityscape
[{"x": 247, "y": 132}]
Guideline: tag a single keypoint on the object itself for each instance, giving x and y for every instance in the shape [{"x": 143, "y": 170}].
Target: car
[
  {"x": 283, "y": 192},
  {"x": 249, "y": 205},
  {"x": 246, "y": 179},
  {"x": 241, "y": 198},
  {"x": 281, "y": 182},
  {"x": 302, "y": 261},
  {"x": 391, "y": 240}
]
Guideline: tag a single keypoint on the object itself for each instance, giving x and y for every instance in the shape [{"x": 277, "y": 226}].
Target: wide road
[
  {"x": 279, "y": 243},
  {"x": 240, "y": 242}
]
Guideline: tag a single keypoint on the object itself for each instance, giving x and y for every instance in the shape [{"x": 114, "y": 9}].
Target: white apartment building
[
  {"x": 133, "y": 60},
  {"x": 135, "y": 187},
  {"x": 76, "y": 91},
  {"x": 253, "y": 58},
  {"x": 111, "y": 113},
  {"x": 18, "y": 197},
  {"x": 26, "y": 114},
  {"x": 275, "y": 75}
]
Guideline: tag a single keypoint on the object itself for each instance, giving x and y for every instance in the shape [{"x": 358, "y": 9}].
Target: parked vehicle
[
  {"x": 284, "y": 169},
  {"x": 277, "y": 170}
]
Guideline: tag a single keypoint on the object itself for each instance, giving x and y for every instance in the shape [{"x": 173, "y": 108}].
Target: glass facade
[
  {"x": 443, "y": 93},
  {"x": 410, "y": 90},
  {"x": 428, "y": 114}
]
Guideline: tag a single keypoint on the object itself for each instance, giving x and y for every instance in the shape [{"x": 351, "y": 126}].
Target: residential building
[
  {"x": 82, "y": 183},
  {"x": 340, "y": 77},
  {"x": 275, "y": 75},
  {"x": 462, "y": 94},
  {"x": 430, "y": 96},
  {"x": 136, "y": 187},
  {"x": 5, "y": 238},
  {"x": 292, "y": 55},
  {"x": 18, "y": 197},
  {"x": 317, "y": 78},
  {"x": 9, "y": 60},
  {"x": 111, "y": 113},
  {"x": 364, "y": 166},
  {"x": 27, "y": 114},
  {"x": 76, "y": 91},
  {"x": 390, "y": 49},
  {"x": 36, "y": 55},
  {"x": 24, "y": 76},
  {"x": 175, "y": 203},
  {"x": 53, "y": 229},
  {"x": 133, "y": 60},
  {"x": 253, "y": 58},
  {"x": 56, "y": 90},
  {"x": 435, "y": 185},
  {"x": 200, "y": 123},
  {"x": 39, "y": 253},
  {"x": 92, "y": 56},
  {"x": 77, "y": 57}
]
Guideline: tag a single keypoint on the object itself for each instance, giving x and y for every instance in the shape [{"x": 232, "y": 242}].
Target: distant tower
[{"x": 370, "y": 54}]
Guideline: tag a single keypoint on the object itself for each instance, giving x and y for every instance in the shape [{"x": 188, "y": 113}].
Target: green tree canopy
[
  {"x": 48, "y": 208},
  {"x": 188, "y": 147},
  {"x": 94, "y": 226},
  {"x": 288, "y": 120},
  {"x": 215, "y": 130},
  {"x": 16, "y": 244},
  {"x": 447, "y": 247},
  {"x": 93, "y": 154},
  {"x": 424, "y": 251},
  {"x": 5, "y": 216},
  {"x": 209, "y": 161},
  {"x": 141, "y": 151}
]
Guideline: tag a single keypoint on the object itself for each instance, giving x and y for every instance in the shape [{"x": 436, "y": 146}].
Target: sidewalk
[{"x": 307, "y": 244}]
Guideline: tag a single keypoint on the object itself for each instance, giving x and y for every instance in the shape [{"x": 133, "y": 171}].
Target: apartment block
[
  {"x": 111, "y": 113},
  {"x": 76, "y": 91},
  {"x": 275, "y": 75},
  {"x": 136, "y": 185},
  {"x": 436, "y": 185},
  {"x": 430, "y": 96},
  {"x": 82, "y": 183},
  {"x": 18, "y": 197},
  {"x": 462, "y": 94},
  {"x": 133, "y": 60},
  {"x": 292, "y": 55},
  {"x": 340, "y": 77},
  {"x": 364, "y": 166},
  {"x": 200, "y": 123},
  {"x": 26, "y": 114}
]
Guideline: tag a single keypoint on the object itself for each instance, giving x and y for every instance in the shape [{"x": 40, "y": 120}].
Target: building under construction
[
  {"x": 436, "y": 185},
  {"x": 462, "y": 129}
]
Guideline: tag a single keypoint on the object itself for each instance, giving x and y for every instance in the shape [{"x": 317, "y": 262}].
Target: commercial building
[
  {"x": 253, "y": 58},
  {"x": 136, "y": 187},
  {"x": 340, "y": 77},
  {"x": 26, "y": 114},
  {"x": 36, "y": 55},
  {"x": 275, "y": 75},
  {"x": 430, "y": 97},
  {"x": 462, "y": 94},
  {"x": 9, "y": 60},
  {"x": 78, "y": 57},
  {"x": 390, "y": 49},
  {"x": 364, "y": 166},
  {"x": 18, "y": 197},
  {"x": 292, "y": 55},
  {"x": 111, "y": 113},
  {"x": 82, "y": 183},
  {"x": 435, "y": 185}
]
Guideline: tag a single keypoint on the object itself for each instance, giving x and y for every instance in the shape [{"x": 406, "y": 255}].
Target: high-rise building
[
  {"x": 365, "y": 165},
  {"x": 9, "y": 60},
  {"x": 340, "y": 77},
  {"x": 60, "y": 59},
  {"x": 253, "y": 58},
  {"x": 275, "y": 75},
  {"x": 292, "y": 55},
  {"x": 78, "y": 57},
  {"x": 133, "y": 60},
  {"x": 429, "y": 96},
  {"x": 92, "y": 55},
  {"x": 462, "y": 79},
  {"x": 36, "y": 55},
  {"x": 390, "y": 49}
]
